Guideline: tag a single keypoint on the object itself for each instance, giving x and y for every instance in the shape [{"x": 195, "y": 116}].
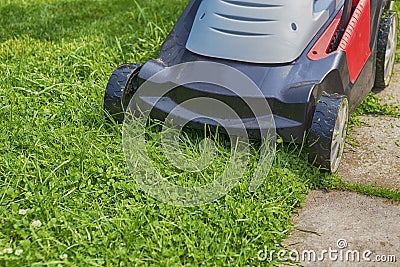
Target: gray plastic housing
[{"x": 258, "y": 31}]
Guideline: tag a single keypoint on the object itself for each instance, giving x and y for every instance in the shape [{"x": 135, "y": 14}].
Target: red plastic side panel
[
  {"x": 320, "y": 48},
  {"x": 355, "y": 41}
]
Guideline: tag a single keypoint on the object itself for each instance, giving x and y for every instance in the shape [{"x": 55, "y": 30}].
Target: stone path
[
  {"x": 365, "y": 223},
  {"x": 350, "y": 224},
  {"x": 391, "y": 95},
  {"x": 372, "y": 155}
]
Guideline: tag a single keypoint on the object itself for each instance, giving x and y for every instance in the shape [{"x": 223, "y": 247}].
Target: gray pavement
[
  {"x": 367, "y": 224},
  {"x": 372, "y": 154},
  {"x": 350, "y": 229}
]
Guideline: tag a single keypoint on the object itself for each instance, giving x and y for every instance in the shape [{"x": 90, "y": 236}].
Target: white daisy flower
[
  {"x": 36, "y": 223},
  {"x": 7, "y": 250},
  {"x": 22, "y": 212}
]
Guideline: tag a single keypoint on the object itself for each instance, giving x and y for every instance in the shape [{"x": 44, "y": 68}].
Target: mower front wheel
[
  {"x": 328, "y": 132},
  {"x": 120, "y": 88}
]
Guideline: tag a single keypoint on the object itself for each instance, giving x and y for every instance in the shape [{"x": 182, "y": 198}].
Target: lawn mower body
[
  {"x": 292, "y": 88},
  {"x": 294, "y": 51}
]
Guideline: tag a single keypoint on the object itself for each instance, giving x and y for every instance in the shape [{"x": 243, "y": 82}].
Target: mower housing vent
[{"x": 258, "y": 31}]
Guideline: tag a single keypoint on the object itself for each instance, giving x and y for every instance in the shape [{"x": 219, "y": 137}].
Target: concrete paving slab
[
  {"x": 349, "y": 229},
  {"x": 349, "y": 226},
  {"x": 391, "y": 94},
  {"x": 372, "y": 154}
]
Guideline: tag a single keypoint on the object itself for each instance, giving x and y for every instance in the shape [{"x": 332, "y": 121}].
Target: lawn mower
[{"x": 313, "y": 60}]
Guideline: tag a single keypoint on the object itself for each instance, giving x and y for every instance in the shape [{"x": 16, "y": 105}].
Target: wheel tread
[
  {"x": 321, "y": 131},
  {"x": 119, "y": 80}
]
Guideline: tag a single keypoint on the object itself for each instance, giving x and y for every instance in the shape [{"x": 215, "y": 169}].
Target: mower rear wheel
[
  {"x": 328, "y": 132},
  {"x": 120, "y": 88},
  {"x": 386, "y": 50}
]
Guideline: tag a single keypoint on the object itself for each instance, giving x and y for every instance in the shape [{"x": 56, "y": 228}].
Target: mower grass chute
[{"x": 317, "y": 60}]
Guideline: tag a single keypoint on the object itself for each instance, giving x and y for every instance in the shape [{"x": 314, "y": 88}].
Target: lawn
[{"x": 66, "y": 195}]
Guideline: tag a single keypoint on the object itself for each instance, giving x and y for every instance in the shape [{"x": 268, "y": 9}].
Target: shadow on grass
[{"x": 65, "y": 20}]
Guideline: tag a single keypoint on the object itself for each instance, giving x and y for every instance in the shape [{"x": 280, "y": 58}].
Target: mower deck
[{"x": 313, "y": 75}]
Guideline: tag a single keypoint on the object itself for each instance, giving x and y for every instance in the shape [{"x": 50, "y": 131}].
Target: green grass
[
  {"x": 63, "y": 162},
  {"x": 397, "y": 8},
  {"x": 372, "y": 105}
]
